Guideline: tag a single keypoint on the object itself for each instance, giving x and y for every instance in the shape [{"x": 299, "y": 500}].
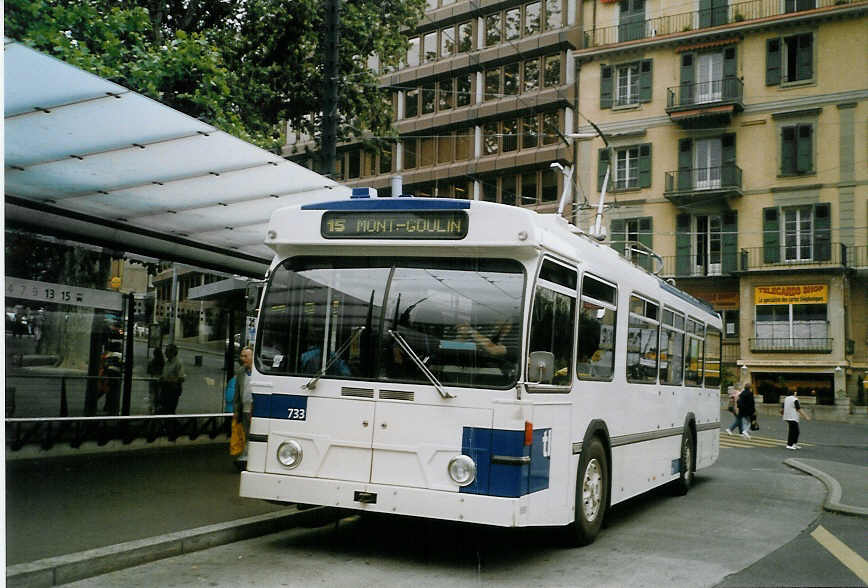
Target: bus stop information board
[
  {"x": 63, "y": 294},
  {"x": 416, "y": 224}
]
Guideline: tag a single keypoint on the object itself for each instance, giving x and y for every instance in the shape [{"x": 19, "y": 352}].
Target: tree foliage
[{"x": 246, "y": 66}]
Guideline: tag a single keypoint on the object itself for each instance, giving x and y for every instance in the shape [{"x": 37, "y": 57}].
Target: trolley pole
[{"x": 329, "y": 125}]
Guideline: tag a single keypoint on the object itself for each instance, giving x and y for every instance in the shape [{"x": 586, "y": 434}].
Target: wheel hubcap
[{"x": 592, "y": 490}]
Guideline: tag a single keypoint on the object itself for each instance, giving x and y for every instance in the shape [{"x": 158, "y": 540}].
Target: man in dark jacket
[{"x": 746, "y": 409}]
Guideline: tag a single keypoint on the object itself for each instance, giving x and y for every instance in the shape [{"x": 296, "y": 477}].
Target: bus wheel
[
  {"x": 592, "y": 487},
  {"x": 685, "y": 478}
]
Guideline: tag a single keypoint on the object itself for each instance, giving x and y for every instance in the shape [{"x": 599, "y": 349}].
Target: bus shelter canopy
[{"x": 88, "y": 159}]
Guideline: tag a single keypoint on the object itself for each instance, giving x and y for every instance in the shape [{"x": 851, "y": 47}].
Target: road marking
[
  {"x": 844, "y": 554},
  {"x": 737, "y": 441}
]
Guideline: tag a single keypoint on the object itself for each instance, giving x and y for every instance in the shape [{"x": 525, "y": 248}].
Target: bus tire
[
  {"x": 687, "y": 463},
  {"x": 592, "y": 488}
]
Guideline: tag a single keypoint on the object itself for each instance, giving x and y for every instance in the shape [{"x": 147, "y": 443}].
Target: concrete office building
[{"x": 738, "y": 135}]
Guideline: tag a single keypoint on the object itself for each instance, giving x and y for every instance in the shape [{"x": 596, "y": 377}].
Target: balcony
[
  {"x": 789, "y": 345},
  {"x": 695, "y": 20},
  {"x": 676, "y": 267},
  {"x": 816, "y": 256},
  {"x": 685, "y": 187},
  {"x": 706, "y": 103}
]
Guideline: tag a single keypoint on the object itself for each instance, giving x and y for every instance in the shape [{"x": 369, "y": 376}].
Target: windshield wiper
[
  {"x": 420, "y": 364},
  {"x": 335, "y": 356}
]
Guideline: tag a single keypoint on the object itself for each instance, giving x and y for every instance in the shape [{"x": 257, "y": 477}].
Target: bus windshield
[{"x": 460, "y": 317}]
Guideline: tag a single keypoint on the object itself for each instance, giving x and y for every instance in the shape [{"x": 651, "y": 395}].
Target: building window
[
  {"x": 463, "y": 143},
  {"x": 354, "y": 167},
  {"x": 489, "y": 138},
  {"x": 552, "y": 76},
  {"x": 510, "y": 135},
  {"x": 492, "y": 29},
  {"x": 782, "y": 326},
  {"x": 465, "y": 37},
  {"x": 410, "y": 147},
  {"x": 790, "y": 59},
  {"x": 530, "y": 132},
  {"x": 489, "y": 189},
  {"x": 632, "y": 168},
  {"x": 430, "y": 46},
  {"x": 626, "y": 231},
  {"x": 797, "y": 5},
  {"x": 510, "y": 79},
  {"x": 444, "y": 148},
  {"x": 463, "y": 86},
  {"x": 551, "y": 128},
  {"x": 492, "y": 84},
  {"x": 628, "y": 84},
  {"x": 428, "y": 95},
  {"x": 508, "y": 191},
  {"x": 549, "y": 186},
  {"x": 797, "y": 149},
  {"x": 411, "y": 103},
  {"x": 413, "y": 52},
  {"x": 531, "y": 75},
  {"x": 532, "y": 18},
  {"x": 528, "y": 188},
  {"x": 445, "y": 95},
  {"x": 447, "y": 42},
  {"x": 426, "y": 152},
  {"x": 798, "y": 233},
  {"x": 513, "y": 24},
  {"x": 386, "y": 159},
  {"x": 627, "y": 168},
  {"x": 554, "y": 15}
]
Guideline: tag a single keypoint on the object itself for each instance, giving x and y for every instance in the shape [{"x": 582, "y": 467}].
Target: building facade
[{"x": 736, "y": 144}]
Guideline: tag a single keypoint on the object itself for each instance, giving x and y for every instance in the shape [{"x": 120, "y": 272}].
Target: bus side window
[
  {"x": 554, "y": 309},
  {"x": 672, "y": 348},
  {"x": 693, "y": 353},
  {"x": 597, "y": 320},
  {"x": 642, "y": 340},
  {"x": 712, "y": 357}
]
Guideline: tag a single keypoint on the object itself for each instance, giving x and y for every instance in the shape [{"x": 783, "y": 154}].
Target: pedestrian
[
  {"x": 155, "y": 370},
  {"x": 791, "y": 411},
  {"x": 171, "y": 381},
  {"x": 732, "y": 407},
  {"x": 243, "y": 400},
  {"x": 746, "y": 409}
]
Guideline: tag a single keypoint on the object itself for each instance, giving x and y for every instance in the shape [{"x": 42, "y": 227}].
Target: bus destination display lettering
[{"x": 417, "y": 224}]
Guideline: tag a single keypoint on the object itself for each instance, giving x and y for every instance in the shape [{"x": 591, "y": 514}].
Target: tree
[{"x": 246, "y": 66}]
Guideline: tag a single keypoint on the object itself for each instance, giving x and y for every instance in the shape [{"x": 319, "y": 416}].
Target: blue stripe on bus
[
  {"x": 501, "y": 479},
  {"x": 280, "y": 406},
  {"x": 391, "y": 204}
]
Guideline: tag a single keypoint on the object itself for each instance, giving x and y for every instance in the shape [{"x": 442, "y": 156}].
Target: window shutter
[
  {"x": 730, "y": 242},
  {"x": 685, "y": 164},
  {"x": 682, "y": 245},
  {"x": 704, "y": 13},
  {"x": 727, "y": 170},
  {"x": 646, "y": 237},
  {"x": 730, "y": 73},
  {"x": 616, "y": 234},
  {"x": 788, "y": 150},
  {"x": 804, "y": 149},
  {"x": 822, "y": 232},
  {"x": 685, "y": 91},
  {"x": 805, "y": 60},
  {"x": 645, "y": 165},
  {"x": 602, "y": 166},
  {"x": 771, "y": 236},
  {"x": 605, "y": 86},
  {"x": 773, "y": 62},
  {"x": 645, "y": 80}
]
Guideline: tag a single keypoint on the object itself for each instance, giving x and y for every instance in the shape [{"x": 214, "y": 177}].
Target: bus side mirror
[{"x": 540, "y": 367}]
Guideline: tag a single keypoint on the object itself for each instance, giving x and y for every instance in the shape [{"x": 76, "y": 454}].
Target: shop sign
[
  {"x": 797, "y": 294},
  {"x": 47, "y": 292}
]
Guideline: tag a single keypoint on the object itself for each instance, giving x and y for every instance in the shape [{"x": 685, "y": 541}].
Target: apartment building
[{"x": 737, "y": 140}]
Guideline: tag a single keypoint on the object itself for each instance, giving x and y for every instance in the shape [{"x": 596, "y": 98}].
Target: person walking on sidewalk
[
  {"x": 733, "y": 408},
  {"x": 746, "y": 409},
  {"x": 171, "y": 381},
  {"x": 791, "y": 411},
  {"x": 242, "y": 404}
]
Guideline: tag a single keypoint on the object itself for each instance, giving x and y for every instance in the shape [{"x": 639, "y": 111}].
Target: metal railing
[
  {"x": 722, "y": 177},
  {"x": 857, "y": 257},
  {"x": 820, "y": 255},
  {"x": 774, "y": 344},
  {"x": 688, "y": 21},
  {"x": 697, "y": 94},
  {"x": 671, "y": 268}
]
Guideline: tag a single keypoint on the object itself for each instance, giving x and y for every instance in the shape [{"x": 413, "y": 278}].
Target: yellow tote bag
[{"x": 237, "y": 440}]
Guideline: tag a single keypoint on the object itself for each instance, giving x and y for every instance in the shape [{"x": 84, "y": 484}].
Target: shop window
[{"x": 791, "y": 326}]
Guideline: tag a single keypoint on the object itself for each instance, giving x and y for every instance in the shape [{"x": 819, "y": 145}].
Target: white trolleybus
[{"x": 470, "y": 361}]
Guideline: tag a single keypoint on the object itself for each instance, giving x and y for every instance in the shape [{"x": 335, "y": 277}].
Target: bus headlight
[
  {"x": 289, "y": 454},
  {"x": 462, "y": 470}
]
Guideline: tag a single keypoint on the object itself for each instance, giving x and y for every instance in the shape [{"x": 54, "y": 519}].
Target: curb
[
  {"x": 53, "y": 571},
  {"x": 833, "y": 498}
]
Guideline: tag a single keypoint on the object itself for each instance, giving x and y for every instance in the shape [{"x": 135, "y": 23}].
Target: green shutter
[
  {"x": 727, "y": 170},
  {"x": 645, "y": 165},
  {"x": 645, "y": 80},
  {"x": 773, "y": 62},
  {"x": 685, "y": 91},
  {"x": 602, "y": 166},
  {"x": 646, "y": 237},
  {"x": 805, "y": 59},
  {"x": 771, "y": 236},
  {"x": 730, "y": 242},
  {"x": 822, "y": 232},
  {"x": 788, "y": 150},
  {"x": 704, "y": 13},
  {"x": 685, "y": 164},
  {"x": 616, "y": 234},
  {"x": 804, "y": 149},
  {"x": 605, "y": 86},
  {"x": 682, "y": 245},
  {"x": 730, "y": 73}
]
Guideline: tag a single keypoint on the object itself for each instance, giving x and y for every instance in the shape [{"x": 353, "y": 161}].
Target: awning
[
  {"x": 707, "y": 44},
  {"x": 86, "y": 158}
]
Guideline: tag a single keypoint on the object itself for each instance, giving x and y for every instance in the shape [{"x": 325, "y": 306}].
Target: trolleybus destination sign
[{"x": 404, "y": 224}]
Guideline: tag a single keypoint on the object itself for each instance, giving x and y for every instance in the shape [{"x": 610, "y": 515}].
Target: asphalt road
[{"x": 746, "y": 522}]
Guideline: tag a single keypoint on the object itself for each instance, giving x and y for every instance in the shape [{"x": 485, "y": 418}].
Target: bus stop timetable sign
[{"x": 403, "y": 224}]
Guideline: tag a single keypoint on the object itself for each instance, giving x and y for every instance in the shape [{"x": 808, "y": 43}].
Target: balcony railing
[
  {"x": 687, "y": 21},
  {"x": 776, "y": 344},
  {"x": 857, "y": 257},
  {"x": 818, "y": 254},
  {"x": 704, "y": 93},
  {"x": 722, "y": 177},
  {"x": 671, "y": 267}
]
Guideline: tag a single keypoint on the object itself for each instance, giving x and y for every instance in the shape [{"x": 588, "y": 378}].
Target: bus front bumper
[{"x": 401, "y": 500}]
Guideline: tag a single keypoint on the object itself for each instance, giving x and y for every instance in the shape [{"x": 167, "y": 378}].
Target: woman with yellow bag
[{"x": 241, "y": 406}]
